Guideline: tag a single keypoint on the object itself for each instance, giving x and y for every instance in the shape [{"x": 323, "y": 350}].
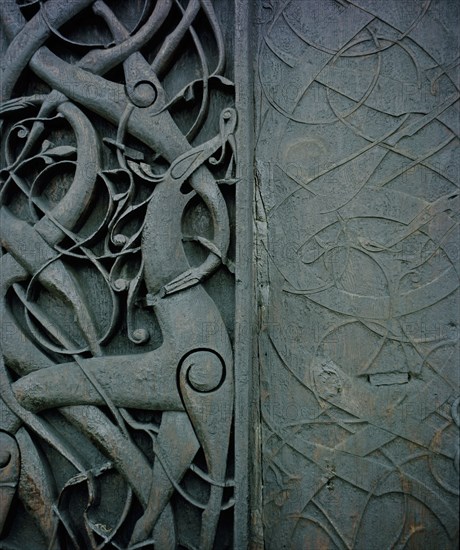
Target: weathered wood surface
[
  {"x": 133, "y": 413},
  {"x": 118, "y": 241},
  {"x": 357, "y": 213}
]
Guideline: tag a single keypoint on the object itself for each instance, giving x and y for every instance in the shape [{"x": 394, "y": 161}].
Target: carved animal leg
[
  {"x": 144, "y": 381},
  {"x": 176, "y": 445},
  {"x": 206, "y": 383}
]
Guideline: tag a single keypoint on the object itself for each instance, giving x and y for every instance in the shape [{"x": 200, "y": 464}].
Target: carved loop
[{"x": 205, "y": 370}]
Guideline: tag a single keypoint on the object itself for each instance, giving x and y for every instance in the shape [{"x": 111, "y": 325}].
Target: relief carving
[
  {"x": 118, "y": 165},
  {"x": 357, "y": 210},
  {"x": 126, "y": 416}
]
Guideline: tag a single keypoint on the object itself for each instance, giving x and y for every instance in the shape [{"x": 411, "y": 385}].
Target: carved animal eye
[{"x": 144, "y": 93}]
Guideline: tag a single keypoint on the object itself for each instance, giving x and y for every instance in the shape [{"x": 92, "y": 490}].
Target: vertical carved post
[{"x": 118, "y": 173}]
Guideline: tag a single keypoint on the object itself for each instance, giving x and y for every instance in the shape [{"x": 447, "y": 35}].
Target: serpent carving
[{"x": 92, "y": 225}]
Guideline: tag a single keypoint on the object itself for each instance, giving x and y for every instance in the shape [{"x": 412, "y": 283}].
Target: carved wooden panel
[
  {"x": 131, "y": 406},
  {"x": 117, "y": 220},
  {"x": 357, "y": 216}
]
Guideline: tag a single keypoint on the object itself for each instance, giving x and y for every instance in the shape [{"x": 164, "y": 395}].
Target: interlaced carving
[
  {"x": 117, "y": 377},
  {"x": 358, "y": 216}
]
